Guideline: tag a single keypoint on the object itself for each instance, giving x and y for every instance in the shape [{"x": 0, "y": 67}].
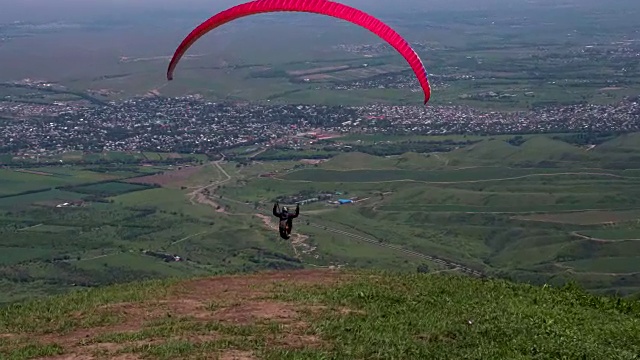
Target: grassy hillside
[
  {"x": 535, "y": 209},
  {"x": 531, "y": 150},
  {"x": 319, "y": 314}
]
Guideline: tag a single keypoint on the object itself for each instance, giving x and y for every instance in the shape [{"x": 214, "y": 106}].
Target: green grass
[
  {"x": 585, "y": 217},
  {"x": 613, "y": 234},
  {"x": 171, "y": 200},
  {"x": 363, "y": 315},
  {"x": 82, "y": 174},
  {"x": 353, "y": 161},
  {"x": 480, "y": 214},
  {"x": 12, "y": 182},
  {"x": 152, "y": 156},
  {"x": 50, "y": 228},
  {"x": 15, "y": 182},
  {"x": 621, "y": 264},
  {"x": 109, "y": 189},
  {"x": 334, "y": 249},
  {"x": 462, "y": 175},
  {"x": 207, "y": 174},
  {"x": 135, "y": 262},
  {"x": 624, "y": 143},
  {"x": 16, "y": 255},
  {"x": 45, "y": 198},
  {"x": 51, "y": 314},
  {"x": 535, "y": 149},
  {"x": 455, "y": 317},
  {"x": 75, "y": 160},
  {"x": 375, "y": 138}
]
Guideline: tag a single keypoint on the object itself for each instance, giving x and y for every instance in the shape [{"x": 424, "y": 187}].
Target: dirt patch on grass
[
  {"x": 298, "y": 241},
  {"x": 226, "y": 300},
  {"x": 119, "y": 351},
  {"x": 81, "y": 337},
  {"x": 125, "y": 357},
  {"x": 267, "y": 222},
  {"x": 172, "y": 178},
  {"x": 196, "y": 309},
  {"x": 130, "y": 310},
  {"x": 312, "y": 161},
  {"x": 85, "y": 357},
  {"x": 113, "y": 348},
  {"x": 205, "y": 198},
  {"x": 250, "y": 312},
  {"x": 252, "y": 286}
]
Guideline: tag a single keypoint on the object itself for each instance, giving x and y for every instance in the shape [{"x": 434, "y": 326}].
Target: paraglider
[
  {"x": 323, "y": 7},
  {"x": 286, "y": 219}
]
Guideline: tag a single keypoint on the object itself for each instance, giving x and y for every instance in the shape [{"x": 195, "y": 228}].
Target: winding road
[
  {"x": 299, "y": 240},
  {"x": 198, "y": 195},
  {"x": 586, "y": 237}
]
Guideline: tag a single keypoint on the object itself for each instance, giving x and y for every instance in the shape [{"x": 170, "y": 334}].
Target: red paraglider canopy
[{"x": 323, "y": 7}]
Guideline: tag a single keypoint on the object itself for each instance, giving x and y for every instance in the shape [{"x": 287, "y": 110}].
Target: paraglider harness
[{"x": 286, "y": 219}]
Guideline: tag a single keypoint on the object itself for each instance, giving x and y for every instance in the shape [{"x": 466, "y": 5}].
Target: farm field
[
  {"x": 85, "y": 226},
  {"x": 527, "y": 220},
  {"x": 75, "y": 157},
  {"x": 14, "y": 182},
  {"x": 33, "y": 179}
]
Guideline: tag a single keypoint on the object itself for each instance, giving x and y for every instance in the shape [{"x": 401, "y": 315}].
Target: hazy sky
[
  {"x": 159, "y": 25},
  {"x": 48, "y": 10},
  {"x": 76, "y": 10},
  {"x": 90, "y": 10}
]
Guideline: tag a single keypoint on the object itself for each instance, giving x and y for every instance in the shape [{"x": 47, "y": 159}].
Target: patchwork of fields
[
  {"x": 63, "y": 227},
  {"x": 85, "y": 225}
]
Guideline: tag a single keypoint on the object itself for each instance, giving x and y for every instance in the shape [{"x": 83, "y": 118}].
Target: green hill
[
  {"x": 415, "y": 161},
  {"x": 358, "y": 160},
  {"x": 486, "y": 149},
  {"x": 319, "y": 314},
  {"x": 625, "y": 143},
  {"x": 530, "y": 150},
  {"x": 406, "y": 161}
]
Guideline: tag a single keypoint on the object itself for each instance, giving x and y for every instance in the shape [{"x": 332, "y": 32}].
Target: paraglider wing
[{"x": 323, "y": 7}]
